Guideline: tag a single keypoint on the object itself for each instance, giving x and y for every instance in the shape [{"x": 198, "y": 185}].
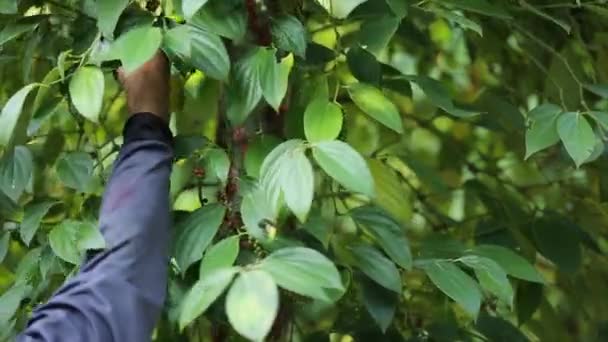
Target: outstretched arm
[{"x": 118, "y": 293}]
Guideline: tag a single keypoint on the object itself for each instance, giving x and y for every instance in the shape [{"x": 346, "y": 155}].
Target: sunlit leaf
[
  {"x": 542, "y": 129},
  {"x": 70, "y": 239},
  {"x": 577, "y": 135},
  {"x": 491, "y": 277},
  {"x": 86, "y": 91},
  {"x": 375, "y": 104},
  {"x": 322, "y": 120},
  {"x": 108, "y": 12},
  {"x": 11, "y": 112},
  {"x": 221, "y": 255},
  {"x": 289, "y": 34},
  {"x": 190, "y": 7},
  {"x": 16, "y": 169}
]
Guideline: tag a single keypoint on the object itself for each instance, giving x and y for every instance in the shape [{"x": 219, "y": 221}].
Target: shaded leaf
[
  {"x": 204, "y": 293},
  {"x": 190, "y": 7},
  {"x": 340, "y": 8},
  {"x": 244, "y": 92},
  {"x": 480, "y": 6},
  {"x": 4, "y": 244},
  {"x": 456, "y": 284},
  {"x": 195, "y": 233},
  {"x": 11, "y": 112},
  {"x": 598, "y": 89},
  {"x": 376, "y": 33},
  {"x": 364, "y": 66},
  {"x": 289, "y": 34},
  {"x": 381, "y": 270},
  {"x": 75, "y": 170},
  {"x": 379, "y": 302},
  {"x": 16, "y": 169},
  {"x": 542, "y": 128},
  {"x": 440, "y": 97},
  {"x": 218, "y": 163},
  {"x": 577, "y": 135},
  {"x": 34, "y": 213},
  {"x": 559, "y": 242}
]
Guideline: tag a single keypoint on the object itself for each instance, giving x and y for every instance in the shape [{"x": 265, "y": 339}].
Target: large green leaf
[
  {"x": 273, "y": 76},
  {"x": 322, "y": 120},
  {"x": 108, "y": 12},
  {"x": 244, "y": 92},
  {"x": 440, "y": 97},
  {"x": 559, "y": 242},
  {"x": 204, "y": 293},
  {"x": 8, "y": 6},
  {"x": 340, "y": 8},
  {"x": 371, "y": 101},
  {"x": 380, "y": 269},
  {"x": 11, "y": 113},
  {"x": 456, "y": 284},
  {"x": 297, "y": 182},
  {"x": 514, "y": 264},
  {"x": 376, "y": 33},
  {"x": 190, "y": 7},
  {"x": 33, "y": 215},
  {"x": 136, "y": 47},
  {"x": 252, "y": 304},
  {"x": 16, "y": 169},
  {"x": 209, "y": 54},
  {"x": 75, "y": 170},
  {"x": 223, "y": 19},
  {"x": 386, "y": 231},
  {"x": 364, "y": 66},
  {"x": 379, "y": 302},
  {"x": 542, "y": 128},
  {"x": 10, "y": 300},
  {"x": 304, "y": 271},
  {"x": 218, "y": 164},
  {"x": 577, "y": 135},
  {"x": 345, "y": 165},
  {"x": 195, "y": 233},
  {"x": 221, "y": 255},
  {"x": 256, "y": 209},
  {"x": 86, "y": 91},
  {"x": 491, "y": 277},
  {"x": 14, "y": 30},
  {"x": 289, "y": 34},
  {"x": 70, "y": 239}
]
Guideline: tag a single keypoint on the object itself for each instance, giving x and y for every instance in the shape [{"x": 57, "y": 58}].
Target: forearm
[{"x": 119, "y": 292}]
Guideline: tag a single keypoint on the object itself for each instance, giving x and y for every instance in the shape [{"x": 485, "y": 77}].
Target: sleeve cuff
[{"x": 147, "y": 126}]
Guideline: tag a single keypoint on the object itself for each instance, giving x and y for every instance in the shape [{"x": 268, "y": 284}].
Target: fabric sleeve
[{"x": 119, "y": 292}]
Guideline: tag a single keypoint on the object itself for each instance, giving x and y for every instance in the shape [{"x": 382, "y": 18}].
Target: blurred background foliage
[{"x": 494, "y": 164}]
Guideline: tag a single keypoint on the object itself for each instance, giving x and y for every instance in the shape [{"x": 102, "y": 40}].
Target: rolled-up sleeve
[{"x": 119, "y": 292}]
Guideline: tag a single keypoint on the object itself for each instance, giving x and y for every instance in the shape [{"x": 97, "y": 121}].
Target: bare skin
[{"x": 148, "y": 87}]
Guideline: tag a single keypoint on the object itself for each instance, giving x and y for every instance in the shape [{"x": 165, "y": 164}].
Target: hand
[{"x": 148, "y": 87}]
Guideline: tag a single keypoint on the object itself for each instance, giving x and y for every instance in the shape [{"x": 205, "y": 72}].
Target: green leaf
[
  {"x": 16, "y": 169},
  {"x": 221, "y": 255},
  {"x": 8, "y": 7},
  {"x": 244, "y": 91},
  {"x": 386, "y": 231},
  {"x": 440, "y": 97},
  {"x": 252, "y": 304},
  {"x": 204, "y": 293},
  {"x": 364, "y": 66},
  {"x": 14, "y": 30},
  {"x": 456, "y": 284},
  {"x": 498, "y": 329},
  {"x": 491, "y": 277},
  {"x": 340, "y": 8},
  {"x": 4, "y": 244},
  {"x": 190, "y": 7},
  {"x": 322, "y": 120},
  {"x": 345, "y": 165},
  {"x": 459, "y": 20},
  {"x": 195, "y": 234},
  {"x": 527, "y": 300},
  {"x": 273, "y": 77},
  {"x": 380, "y": 269},
  {"x": 479, "y": 6},
  {"x": 598, "y": 89},
  {"x": 70, "y": 239},
  {"x": 297, "y": 182},
  {"x": 565, "y": 26},
  {"x": 33, "y": 215},
  {"x": 399, "y": 7},
  {"x": 376, "y": 33},
  {"x": 108, "y": 12},
  {"x": 136, "y": 47},
  {"x": 514, "y": 264},
  {"x": 371, "y": 101},
  {"x": 273, "y": 169},
  {"x": 11, "y": 113},
  {"x": 379, "y": 302},
  {"x": 209, "y": 54},
  {"x": 10, "y": 300},
  {"x": 304, "y": 271},
  {"x": 86, "y": 91},
  {"x": 222, "y": 18},
  {"x": 256, "y": 209},
  {"x": 75, "y": 170},
  {"x": 542, "y": 128},
  {"x": 577, "y": 135},
  {"x": 289, "y": 34},
  {"x": 218, "y": 163}
]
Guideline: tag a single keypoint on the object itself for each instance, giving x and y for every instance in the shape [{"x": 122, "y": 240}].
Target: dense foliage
[{"x": 367, "y": 169}]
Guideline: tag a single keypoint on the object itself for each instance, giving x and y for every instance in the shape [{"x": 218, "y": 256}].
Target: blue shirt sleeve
[{"x": 119, "y": 292}]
